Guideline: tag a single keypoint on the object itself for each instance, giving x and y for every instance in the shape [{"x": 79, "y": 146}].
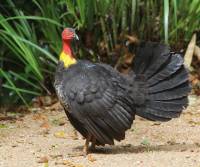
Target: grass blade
[
  {"x": 13, "y": 87},
  {"x": 166, "y": 19}
]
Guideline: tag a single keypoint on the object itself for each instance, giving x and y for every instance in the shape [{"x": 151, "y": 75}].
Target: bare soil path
[{"x": 45, "y": 138}]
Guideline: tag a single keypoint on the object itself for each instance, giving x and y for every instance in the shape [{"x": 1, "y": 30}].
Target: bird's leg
[
  {"x": 86, "y": 146},
  {"x": 85, "y": 149},
  {"x": 93, "y": 143}
]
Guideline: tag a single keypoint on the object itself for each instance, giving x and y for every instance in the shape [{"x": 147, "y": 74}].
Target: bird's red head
[
  {"x": 66, "y": 55},
  {"x": 68, "y": 34}
]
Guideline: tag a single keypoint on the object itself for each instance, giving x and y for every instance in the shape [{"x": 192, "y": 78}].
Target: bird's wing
[{"x": 97, "y": 98}]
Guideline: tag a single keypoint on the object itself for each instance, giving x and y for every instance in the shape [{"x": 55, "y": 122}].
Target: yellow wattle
[{"x": 67, "y": 59}]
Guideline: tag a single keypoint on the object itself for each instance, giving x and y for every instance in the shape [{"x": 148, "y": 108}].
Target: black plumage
[
  {"x": 96, "y": 100},
  {"x": 166, "y": 81},
  {"x": 102, "y": 103}
]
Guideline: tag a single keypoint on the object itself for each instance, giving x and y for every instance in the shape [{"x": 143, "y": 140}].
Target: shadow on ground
[{"x": 126, "y": 149}]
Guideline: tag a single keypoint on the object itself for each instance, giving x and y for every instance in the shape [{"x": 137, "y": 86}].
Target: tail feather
[
  {"x": 170, "y": 105},
  {"x": 175, "y": 93},
  {"x": 162, "y": 113},
  {"x": 148, "y": 53},
  {"x": 178, "y": 78},
  {"x": 151, "y": 116},
  {"x": 166, "y": 82},
  {"x": 175, "y": 64},
  {"x": 156, "y": 66}
]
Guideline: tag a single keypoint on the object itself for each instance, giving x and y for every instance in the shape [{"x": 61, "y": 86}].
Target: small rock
[
  {"x": 61, "y": 123},
  {"x": 14, "y": 145},
  {"x": 43, "y": 159},
  {"x": 184, "y": 149}
]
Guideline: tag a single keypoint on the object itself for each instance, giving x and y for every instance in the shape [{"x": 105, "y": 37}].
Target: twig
[{"x": 5, "y": 118}]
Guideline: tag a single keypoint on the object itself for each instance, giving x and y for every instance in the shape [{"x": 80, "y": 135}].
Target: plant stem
[
  {"x": 105, "y": 36},
  {"x": 133, "y": 11},
  {"x": 166, "y": 19}
]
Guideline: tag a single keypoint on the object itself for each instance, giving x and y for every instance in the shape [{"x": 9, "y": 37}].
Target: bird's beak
[{"x": 76, "y": 36}]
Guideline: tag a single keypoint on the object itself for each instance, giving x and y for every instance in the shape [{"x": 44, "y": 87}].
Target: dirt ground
[{"x": 45, "y": 138}]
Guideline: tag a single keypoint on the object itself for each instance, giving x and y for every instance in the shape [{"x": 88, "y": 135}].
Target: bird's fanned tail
[{"x": 166, "y": 81}]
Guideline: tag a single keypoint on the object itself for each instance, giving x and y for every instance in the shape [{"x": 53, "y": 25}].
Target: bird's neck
[{"x": 66, "y": 55}]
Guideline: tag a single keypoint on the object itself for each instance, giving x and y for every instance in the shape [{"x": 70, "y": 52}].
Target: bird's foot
[
  {"x": 92, "y": 147},
  {"x": 86, "y": 148}
]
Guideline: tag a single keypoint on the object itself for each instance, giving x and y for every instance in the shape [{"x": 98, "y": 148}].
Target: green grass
[{"x": 31, "y": 42}]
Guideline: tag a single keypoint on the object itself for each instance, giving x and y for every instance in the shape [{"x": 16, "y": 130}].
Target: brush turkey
[{"x": 101, "y": 103}]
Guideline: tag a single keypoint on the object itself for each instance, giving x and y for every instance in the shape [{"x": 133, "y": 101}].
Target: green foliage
[
  {"x": 25, "y": 66},
  {"x": 30, "y": 34},
  {"x": 186, "y": 19}
]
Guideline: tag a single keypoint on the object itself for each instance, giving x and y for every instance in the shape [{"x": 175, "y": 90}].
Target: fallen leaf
[
  {"x": 56, "y": 106},
  {"x": 40, "y": 116},
  {"x": 45, "y": 125},
  {"x": 56, "y": 156},
  {"x": 91, "y": 158},
  {"x": 42, "y": 101},
  {"x": 60, "y": 134},
  {"x": 5, "y": 118},
  {"x": 71, "y": 164},
  {"x": 43, "y": 159},
  {"x": 194, "y": 122}
]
